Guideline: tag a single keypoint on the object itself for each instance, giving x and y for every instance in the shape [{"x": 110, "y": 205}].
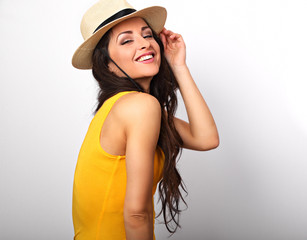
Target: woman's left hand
[
  {"x": 174, "y": 48},
  {"x": 201, "y": 132}
]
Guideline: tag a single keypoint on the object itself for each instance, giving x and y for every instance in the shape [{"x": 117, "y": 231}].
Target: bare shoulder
[{"x": 138, "y": 105}]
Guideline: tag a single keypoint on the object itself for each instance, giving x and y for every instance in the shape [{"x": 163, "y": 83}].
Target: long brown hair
[{"x": 163, "y": 87}]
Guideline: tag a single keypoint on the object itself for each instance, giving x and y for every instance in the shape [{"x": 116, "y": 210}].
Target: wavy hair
[{"x": 163, "y": 87}]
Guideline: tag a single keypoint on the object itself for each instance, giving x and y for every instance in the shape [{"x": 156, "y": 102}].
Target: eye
[
  {"x": 125, "y": 42},
  {"x": 148, "y": 36}
]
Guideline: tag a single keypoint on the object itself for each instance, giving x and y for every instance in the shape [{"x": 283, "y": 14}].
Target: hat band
[{"x": 117, "y": 15}]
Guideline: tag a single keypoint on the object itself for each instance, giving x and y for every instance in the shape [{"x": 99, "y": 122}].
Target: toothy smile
[{"x": 144, "y": 58}]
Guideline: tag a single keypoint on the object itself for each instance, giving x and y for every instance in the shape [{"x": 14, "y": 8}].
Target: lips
[{"x": 144, "y": 57}]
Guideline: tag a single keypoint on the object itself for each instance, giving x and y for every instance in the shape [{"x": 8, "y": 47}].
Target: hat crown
[
  {"x": 104, "y": 15},
  {"x": 98, "y": 13}
]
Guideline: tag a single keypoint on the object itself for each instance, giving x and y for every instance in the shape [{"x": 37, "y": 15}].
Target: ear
[{"x": 112, "y": 68}]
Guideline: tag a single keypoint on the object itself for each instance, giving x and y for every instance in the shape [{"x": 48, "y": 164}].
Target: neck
[{"x": 145, "y": 83}]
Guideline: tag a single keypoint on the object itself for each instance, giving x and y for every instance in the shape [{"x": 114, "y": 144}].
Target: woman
[{"x": 134, "y": 139}]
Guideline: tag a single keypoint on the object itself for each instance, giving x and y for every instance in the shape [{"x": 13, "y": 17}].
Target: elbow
[
  {"x": 210, "y": 143},
  {"x": 137, "y": 216},
  {"x": 215, "y": 143},
  {"x": 134, "y": 219}
]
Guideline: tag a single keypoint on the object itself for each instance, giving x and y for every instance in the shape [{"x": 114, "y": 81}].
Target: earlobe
[{"x": 113, "y": 69}]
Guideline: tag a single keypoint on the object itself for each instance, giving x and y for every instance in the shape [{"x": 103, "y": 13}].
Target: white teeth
[{"x": 145, "y": 58}]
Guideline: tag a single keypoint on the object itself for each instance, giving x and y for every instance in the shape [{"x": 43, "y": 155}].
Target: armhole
[{"x": 106, "y": 108}]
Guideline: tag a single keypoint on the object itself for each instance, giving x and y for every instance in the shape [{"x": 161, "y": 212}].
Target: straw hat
[{"x": 104, "y": 15}]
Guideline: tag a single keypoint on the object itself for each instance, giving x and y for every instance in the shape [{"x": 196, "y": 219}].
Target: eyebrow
[{"x": 130, "y": 32}]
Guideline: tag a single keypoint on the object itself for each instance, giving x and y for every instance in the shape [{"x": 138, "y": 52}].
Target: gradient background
[{"x": 249, "y": 61}]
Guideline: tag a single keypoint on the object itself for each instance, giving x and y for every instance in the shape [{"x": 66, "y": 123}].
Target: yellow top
[{"x": 100, "y": 184}]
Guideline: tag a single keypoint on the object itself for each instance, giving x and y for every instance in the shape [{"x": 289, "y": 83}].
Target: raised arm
[
  {"x": 142, "y": 118},
  {"x": 201, "y": 132}
]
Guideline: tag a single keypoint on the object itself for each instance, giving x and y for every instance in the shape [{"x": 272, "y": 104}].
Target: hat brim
[{"x": 154, "y": 16}]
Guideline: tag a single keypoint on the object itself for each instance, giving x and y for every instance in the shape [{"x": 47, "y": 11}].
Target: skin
[
  {"x": 129, "y": 40},
  {"x": 133, "y": 125},
  {"x": 200, "y": 133}
]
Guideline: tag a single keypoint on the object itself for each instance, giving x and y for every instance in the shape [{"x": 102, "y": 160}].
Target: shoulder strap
[{"x": 103, "y": 112}]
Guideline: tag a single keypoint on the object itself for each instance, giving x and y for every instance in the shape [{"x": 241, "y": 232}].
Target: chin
[
  {"x": 149, "y": 76},
  {"x": 143, "y": 71},
  {"x": 149, "y": 73}
]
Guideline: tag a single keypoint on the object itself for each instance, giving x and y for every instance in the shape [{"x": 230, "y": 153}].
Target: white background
[{"x": 248, "y": 59}]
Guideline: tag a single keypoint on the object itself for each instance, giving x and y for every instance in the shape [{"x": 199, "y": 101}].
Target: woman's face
[{"x": 133, "y": 48}]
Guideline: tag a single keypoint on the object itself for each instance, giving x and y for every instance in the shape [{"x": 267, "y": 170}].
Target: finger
[
  {"x": 163, "y": 39},
  {"x": 168, "y": 33},
  {"x": 175, "y": 35},
  {"x": 169, "y": 36},
  {"x": 165, "y": 31},
  {"x": 169, "y": 39},
  {"x": 172, "y": 39}
]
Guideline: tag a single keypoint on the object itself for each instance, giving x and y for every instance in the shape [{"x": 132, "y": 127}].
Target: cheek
[
  {"x": 116, "y": 53},
  {"x": 123, "y": 57},
  {"x": 159, "y": 58},
  {"x": 158, "y": 54}
]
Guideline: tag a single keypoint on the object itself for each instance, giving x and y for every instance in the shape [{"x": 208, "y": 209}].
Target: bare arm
[
  {"x": 201, "y": 132},
  {"x": 142, "y": 126}
]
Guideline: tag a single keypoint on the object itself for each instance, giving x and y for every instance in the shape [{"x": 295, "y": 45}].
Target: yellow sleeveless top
[{"x": 100, "y": 184}]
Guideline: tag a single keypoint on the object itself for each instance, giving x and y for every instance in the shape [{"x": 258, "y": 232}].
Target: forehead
[{"x": 129, "y": 25}]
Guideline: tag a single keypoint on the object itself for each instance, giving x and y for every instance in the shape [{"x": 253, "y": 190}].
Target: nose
[{"x": 143, "y": 43}]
